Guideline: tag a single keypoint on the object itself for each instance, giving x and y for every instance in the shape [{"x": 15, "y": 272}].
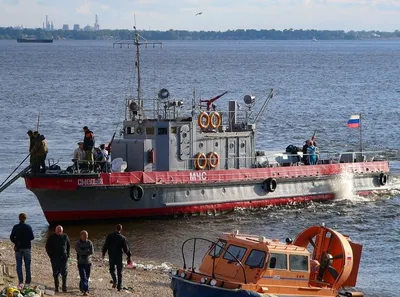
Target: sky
[{"x": 218, "y": 15}]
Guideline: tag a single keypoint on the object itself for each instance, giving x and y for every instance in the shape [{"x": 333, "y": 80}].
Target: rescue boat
[
  {"x": 319, "y": 262},
  {"x": 174, "y": 157}
]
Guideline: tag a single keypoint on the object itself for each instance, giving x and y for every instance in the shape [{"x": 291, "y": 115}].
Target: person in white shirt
[
  {"x": 104, "y": 159},
  {"x": 79, "y": 154}
]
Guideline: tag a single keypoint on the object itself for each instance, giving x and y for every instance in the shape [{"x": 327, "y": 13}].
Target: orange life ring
[
  {"x": 215, "y": 116},
  {"x": 203, "y": 116},
  {"x": 213, "y": 156},
  {"x": 200, "y": 161}
]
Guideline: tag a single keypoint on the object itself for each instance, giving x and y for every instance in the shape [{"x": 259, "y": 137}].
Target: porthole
[
  {"x": 202, "y": 192},
  {"x": 201, "y": 145},
  {"x": 231, "y": 145},
  {"x": 187, "y": 192},
  {"x": 223, "y": 190},
  {"x": 216, "y": 144},
  {"x": 242, "y": 145}
]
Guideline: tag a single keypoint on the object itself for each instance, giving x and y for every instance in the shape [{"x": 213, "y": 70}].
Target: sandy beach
[{"x": 147, "y": 279}]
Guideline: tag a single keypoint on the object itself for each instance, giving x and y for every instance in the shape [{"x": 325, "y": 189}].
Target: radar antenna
[{"x": 137, "y": 41}]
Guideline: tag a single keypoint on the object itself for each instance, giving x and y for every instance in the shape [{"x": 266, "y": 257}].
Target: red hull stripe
[
  {"x": 115, "y": 179},
  {"x": 58, "y": 216}
]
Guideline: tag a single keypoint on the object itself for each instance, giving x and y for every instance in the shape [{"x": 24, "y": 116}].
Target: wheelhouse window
[
  {"x": 162, "y": 131},
  {"x": 234, "y": 251},
  {"x": 277, "y": 261},
  {"x": 298, "y": 262},
  {"x": 217, "y": 249},
  {"x": 256, "y": 259}
]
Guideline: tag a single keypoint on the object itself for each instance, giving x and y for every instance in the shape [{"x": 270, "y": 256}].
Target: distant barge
[{"x": 34, "y": 40}]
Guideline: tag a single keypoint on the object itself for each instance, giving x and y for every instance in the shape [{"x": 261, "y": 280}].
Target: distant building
[
  {"x": 65, "y": 27},
  {"x": 52, "y": 26},
  {"x": 88, "y": 28},
  {"x": 77, "y": 27}
]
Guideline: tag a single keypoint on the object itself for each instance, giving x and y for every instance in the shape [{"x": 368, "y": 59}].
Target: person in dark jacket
[
  {"x": 116, "y": 244},
  {"x": 88, "y": 144},
  {"x": 21, "y": 236},
  {"x": 57, "y": 248},
  {"x": 39, "y": 153},
  {"x": 84, "y": 252},
  {"x": 31, "y": 145}
]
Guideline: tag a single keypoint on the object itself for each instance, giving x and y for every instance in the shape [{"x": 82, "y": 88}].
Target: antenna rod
[{"x": 137, "y": 44}]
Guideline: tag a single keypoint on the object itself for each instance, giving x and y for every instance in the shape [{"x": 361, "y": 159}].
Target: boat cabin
[
  {"x": 264, "y": 261},
  {"x": 320, "y": 262}
]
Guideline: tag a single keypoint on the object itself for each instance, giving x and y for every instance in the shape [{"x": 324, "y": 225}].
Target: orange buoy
[
  {"x": 215, "y": 120},
  {"x": 200, "y": 161},
  {"x": 203, "y": 120},
  {"x": 213, "y": 159}
]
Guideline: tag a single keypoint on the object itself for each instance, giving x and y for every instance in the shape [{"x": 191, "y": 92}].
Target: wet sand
[{"x": 145, "y": 282}]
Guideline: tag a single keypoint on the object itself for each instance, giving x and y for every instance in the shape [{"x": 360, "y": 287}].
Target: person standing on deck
[
  {"x": 84, "y": 252},
  {"x": 116, "y": 244},
  {"x": 21, "y": 236},
  {"x": 312, "y": 153},
  {"x": 31, "y": 145},
  {"x": 88, "y": 144},
  {"x": 57, "y": 248}
]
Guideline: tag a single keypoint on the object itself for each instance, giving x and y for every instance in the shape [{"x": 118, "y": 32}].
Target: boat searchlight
[{"x": 249, "y": 100}]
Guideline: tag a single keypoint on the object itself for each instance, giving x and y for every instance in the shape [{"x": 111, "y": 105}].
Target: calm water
[{"x": 319, "y": 85}]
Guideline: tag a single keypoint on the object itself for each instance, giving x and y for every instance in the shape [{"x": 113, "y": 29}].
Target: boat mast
[
  {"x": 137, "y": 64},
  {"x": 137, "y": 42}
]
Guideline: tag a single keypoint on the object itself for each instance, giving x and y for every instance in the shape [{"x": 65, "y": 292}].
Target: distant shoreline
[{"x": 240, "y": 34}]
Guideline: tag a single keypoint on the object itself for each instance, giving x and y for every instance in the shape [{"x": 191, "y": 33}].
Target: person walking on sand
[
  {"x": 116, "y": 244},
  {"x": 58, "y": 247},
  {"x": 21, "y": 236},
  {"x": 84, "y": 252}
]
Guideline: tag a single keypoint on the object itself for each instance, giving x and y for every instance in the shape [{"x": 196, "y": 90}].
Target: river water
[{"x": 319, "y": 85}]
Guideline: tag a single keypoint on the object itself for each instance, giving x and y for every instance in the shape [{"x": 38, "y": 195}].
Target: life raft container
[
  {"x": 215, "y": 120},
  {"x": 203, "y": 120},
  {"x": 269, "y": 185},
  {"x": 213, "y": 159},
  {"x": 200, "y": 161},
  {"x": 136, "y": 192},
  {"x": 383, "y": 179}
]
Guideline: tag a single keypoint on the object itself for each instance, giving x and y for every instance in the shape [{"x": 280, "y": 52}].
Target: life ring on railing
[
  {"x": 269, "y": 185},
  {"x": 136, "y": 192},
  {"x": 215, "y": 116},
  {"x": 383, "y": 179},
  {"x": 213, "y": 159},
  {"x": 200, "y": 161},
  {"x": 203, "y": 116}
]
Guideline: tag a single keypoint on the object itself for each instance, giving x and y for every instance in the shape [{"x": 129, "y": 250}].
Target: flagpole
[{"x": 361, "y": 148}]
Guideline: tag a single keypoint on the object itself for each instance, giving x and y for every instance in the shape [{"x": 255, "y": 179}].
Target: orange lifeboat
[{"x": 254, "y": 266}]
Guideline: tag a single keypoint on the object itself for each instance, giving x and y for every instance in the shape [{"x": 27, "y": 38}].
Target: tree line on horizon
[{"x": 239, "y": 34}]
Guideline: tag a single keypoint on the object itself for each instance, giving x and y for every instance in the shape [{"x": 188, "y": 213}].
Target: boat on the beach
[
  {"x": 176, "y": 157},
  {"x": 319, "y": 262}
]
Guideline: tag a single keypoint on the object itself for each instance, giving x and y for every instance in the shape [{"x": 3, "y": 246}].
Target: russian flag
[{"x": 354, "y": 121}]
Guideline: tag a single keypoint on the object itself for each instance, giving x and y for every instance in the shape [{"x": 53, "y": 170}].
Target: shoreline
[{"x": 146, "y": 279}]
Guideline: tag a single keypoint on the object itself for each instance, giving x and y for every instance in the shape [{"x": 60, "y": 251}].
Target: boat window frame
[
  {"x": 299, "y": 255},
  {"x": 214, "y": 245},
  {"x": 162, "y": 131},
  {"x": 269, "y": 261},
  {"x": 230, "y": 254},
  {"x": 262, "y": 263}
]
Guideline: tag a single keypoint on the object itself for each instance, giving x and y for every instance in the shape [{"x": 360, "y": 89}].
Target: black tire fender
[
  {"x": 270, "y": 184},
  {"x": 383, "y": 178},
  {"x": 136, "y": 192}
]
